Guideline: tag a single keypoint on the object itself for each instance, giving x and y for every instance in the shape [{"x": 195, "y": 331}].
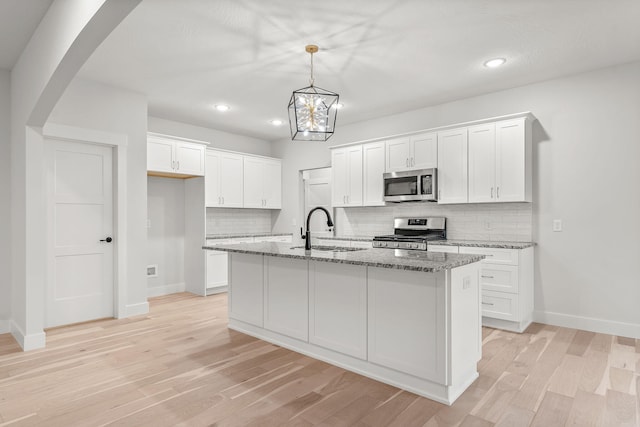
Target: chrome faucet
[{"x": 307, "y": 235}]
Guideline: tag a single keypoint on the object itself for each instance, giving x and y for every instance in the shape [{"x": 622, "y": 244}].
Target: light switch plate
[{"x": 557, "y": 225}]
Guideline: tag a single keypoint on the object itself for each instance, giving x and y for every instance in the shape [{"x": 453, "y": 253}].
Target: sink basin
[{"x": 331, "y": 248}]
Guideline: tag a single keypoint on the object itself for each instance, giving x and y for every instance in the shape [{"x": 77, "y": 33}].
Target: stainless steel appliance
[
  {"x": 407, "y": 186},
  {"x": 413, "y": 233}
]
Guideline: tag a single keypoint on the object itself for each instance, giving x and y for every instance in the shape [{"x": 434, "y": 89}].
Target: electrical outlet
[{"x": 557, "y": 225}]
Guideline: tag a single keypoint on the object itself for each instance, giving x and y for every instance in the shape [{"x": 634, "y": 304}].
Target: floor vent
[{"x": 152, "y": 270}]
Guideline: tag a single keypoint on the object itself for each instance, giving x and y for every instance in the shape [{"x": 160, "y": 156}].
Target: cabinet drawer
[
  {"x": 493, "y": 255},
  {"x": 501, "y": 278},
  {"x": 499, "y": 305},
  {"x": 442, "y": 248}
]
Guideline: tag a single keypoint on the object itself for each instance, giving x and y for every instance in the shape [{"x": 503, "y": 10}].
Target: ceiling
[
  {"x": 382, "y": 57},
  {"x": 18, "y": 20}
]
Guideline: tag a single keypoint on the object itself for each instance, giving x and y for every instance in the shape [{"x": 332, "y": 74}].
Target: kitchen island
[{"x": 406, "y": 318}]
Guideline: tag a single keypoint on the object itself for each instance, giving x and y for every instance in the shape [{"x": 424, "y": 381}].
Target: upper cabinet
[
  {"x": 223, "y": 179},
  {"x": 452, "y": 166},
  {"x": 500, "y": 162},
  {"x": 167, "y": 156},
  {"x": 419, "y": 151},
  {"x": 346, "y": 170},
  {"x": 373, "y": 166},
  {"x": 262, "y": 183}
]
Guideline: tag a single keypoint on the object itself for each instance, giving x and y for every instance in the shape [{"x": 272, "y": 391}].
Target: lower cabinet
[
  {"x": 421, "y": 300},
  {"x": 286, "y": 297},
  {"x": 338, "y": 307},
  {"x": 246, "y": 302}
]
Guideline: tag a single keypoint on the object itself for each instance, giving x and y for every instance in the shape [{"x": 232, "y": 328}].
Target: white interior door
[
  {"x": 317, "y": 192},
  {"x": 80, "y": 225}
]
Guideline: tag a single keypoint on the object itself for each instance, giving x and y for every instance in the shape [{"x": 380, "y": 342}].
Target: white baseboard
[
  {"x": 631, "y": 330},
  {"x": 157, "y": 291},
  {"x": 5, "y": 326},
  {"x": 134, "y": 310},
  {"x": 28, "y": 342}
]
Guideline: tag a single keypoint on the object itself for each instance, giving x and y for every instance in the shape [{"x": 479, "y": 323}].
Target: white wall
[
  {"x": 95, "y": 106},
  {"x": 165, "y": 234},
  {"x": 218, "y": 139},
  {"x": 5, "y": 197},
  {"x": 586, "y": 173}
]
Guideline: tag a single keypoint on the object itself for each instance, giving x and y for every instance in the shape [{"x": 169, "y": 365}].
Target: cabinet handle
[
  {"x": 487, "y": 277},
  {"x": 439, "y": 194},
  {"x": 223, "y": 200},
  {"x": 406, "y": 162},
  {"x": 497, "y": 192},
  {"x": 178, "y": 165},
  {"x": 492, "y": 192},
  {"x": 413, "y": 161},
  {"x": 487, "y": 303}
]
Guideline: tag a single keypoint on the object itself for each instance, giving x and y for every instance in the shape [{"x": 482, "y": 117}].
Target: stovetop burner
[{"x": 412, "y": 233}]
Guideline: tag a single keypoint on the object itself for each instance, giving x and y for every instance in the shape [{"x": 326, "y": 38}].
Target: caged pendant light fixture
[{"x": 312, "y": 110}]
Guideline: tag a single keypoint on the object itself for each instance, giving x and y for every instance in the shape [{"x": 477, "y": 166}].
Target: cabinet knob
[
  {"x": 497, "y": 192},
  {"x": 492, "y": 192}
]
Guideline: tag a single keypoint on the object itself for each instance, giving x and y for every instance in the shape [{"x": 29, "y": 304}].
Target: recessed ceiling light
[
  {"x": 276, "y": 122},
  {"x": 222, "y": 107},
  {"x": 496, "y": 62}
]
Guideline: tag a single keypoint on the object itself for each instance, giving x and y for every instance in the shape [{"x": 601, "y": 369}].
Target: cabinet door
[
  {"x": 272, "y": 184},
  {"x": 401, "y": 302},
  {"x": 354, "y": 167},
  {"x": 217, "y": 269},
  {"x": 398, "y": 153},
  {"x": 452, "y": 166},
  {"x": 253, "y": 182},
  {"x": 190, "y": 158},
  {"x": 424, "y": 151},
  {"x": 212, "y": 197},
  {"x": 510, "y": 161},
  {"x": 231, "y": 180},
  {"x": 286, "y": 297},
  {"x": 246, "y": 288},
  {"x": 373, "y": 168},
  {"x": 160, "y": 155},
  {"x": 482, "y": 163},
  {"x": 338, "y": 307},
  {"x": 339, "y": 177}
]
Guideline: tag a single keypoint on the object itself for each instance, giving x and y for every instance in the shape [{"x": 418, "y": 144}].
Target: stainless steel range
[{"x": 413, "y": 233}]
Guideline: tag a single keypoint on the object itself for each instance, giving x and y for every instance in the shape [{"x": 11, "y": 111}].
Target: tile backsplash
[
  {"x": 229, "y": 221},
  {"x": 505, "y": 222}
]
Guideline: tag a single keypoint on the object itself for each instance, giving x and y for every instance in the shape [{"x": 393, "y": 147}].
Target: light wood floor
[{"x": 180, "y": 365}]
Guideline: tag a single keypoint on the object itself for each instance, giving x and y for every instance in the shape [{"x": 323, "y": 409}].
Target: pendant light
[{"x": 312, "y": 110}]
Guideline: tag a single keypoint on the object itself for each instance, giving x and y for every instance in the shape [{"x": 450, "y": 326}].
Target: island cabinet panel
[
  {"x": 246, "y": 296},
  {"x": 401, "y": 302},
  {"x": 286, "y": 296},
  {"x": 338, "y": 307}
]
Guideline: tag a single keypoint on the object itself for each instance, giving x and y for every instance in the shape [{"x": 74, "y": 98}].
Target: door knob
[{"x": 108, "y": 240}]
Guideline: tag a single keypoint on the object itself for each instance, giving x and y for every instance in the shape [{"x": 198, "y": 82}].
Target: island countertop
[{"x": 384, "y": 258}]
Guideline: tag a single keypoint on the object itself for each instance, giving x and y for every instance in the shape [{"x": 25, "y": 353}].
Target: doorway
[
  {"x": 80, "y": 246},
  {"x": 317, "y": 192}
]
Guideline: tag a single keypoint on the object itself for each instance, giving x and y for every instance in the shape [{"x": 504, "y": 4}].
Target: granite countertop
[
  {"x": 385, "y": 258},
  {"x": 470, "y": 243},
  {"x": 482, "y": 244},
  {"x": 234, "y": 235}
]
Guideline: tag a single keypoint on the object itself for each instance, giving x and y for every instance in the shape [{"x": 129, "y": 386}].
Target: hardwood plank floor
[{"x": 180, "y": 366}]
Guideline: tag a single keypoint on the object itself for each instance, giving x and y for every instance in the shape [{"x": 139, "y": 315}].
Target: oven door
[{"x": 401, "y": 186}]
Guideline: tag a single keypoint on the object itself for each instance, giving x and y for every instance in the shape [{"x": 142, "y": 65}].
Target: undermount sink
[{"x": 331, "y": 248}]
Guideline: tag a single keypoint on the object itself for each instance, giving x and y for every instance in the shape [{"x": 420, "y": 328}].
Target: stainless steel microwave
[{"x": 408, "y": 186}]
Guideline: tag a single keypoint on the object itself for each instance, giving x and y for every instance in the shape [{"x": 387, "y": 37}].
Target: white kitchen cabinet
[
  {"x": 276, "y": 239},
  {"x": 262, "y": 183},
  {"x": 223, "y": 179},
  {"x": 442, "y": 248},
  {"x": 286, "y": 297},
  {"x": 506, "y": 280},
  {"x": 422, "y": 301},
  {"x": 346, "y": 171},
  {"x": 452, "y": 166},
  {"x": 345, "y": 243},
  {"x": 217, "y": 271},
  {"x": 174, "y": 157},
  {"x": 246, "y": 299},
  {"x": 338, "y": 307},
  {"x": 373, "y": 160},
  {"x": 499, "y": 163},
  {"x": 419, "y": 151}
]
